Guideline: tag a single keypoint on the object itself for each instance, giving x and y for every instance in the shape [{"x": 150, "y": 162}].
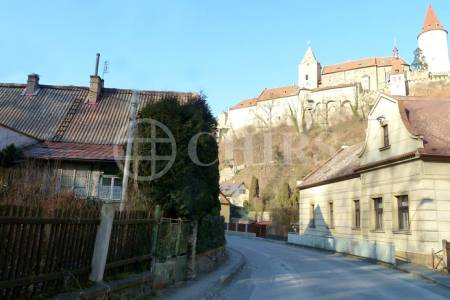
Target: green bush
[
  {"x": 210, "y": 233},
  {"x": 9, "y": 156},
  {"x": 187, "y": 190}
]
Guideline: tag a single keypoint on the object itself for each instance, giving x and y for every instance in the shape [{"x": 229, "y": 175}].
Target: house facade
[
  {"x": 236, "y": 193},
  {"x": 389, "y": 197},
  {"x": 82, "y": 131}
]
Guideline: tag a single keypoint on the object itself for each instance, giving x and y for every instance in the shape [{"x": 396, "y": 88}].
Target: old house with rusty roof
[
  {"x": 84, "y": 129},
  {"x": 389, "y": 197}
]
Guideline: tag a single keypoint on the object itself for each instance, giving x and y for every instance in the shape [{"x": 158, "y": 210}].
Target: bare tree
[{"x": 264, "y": 114}]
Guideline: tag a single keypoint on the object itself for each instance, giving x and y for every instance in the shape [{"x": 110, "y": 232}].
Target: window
[
  {"x": 67, "y": 180},
  {"x": 403, "y": 212},
  {"x": 331, "y": 215},
  {"x": 365, "y": 83},
  {"x": 110, "y": 188},
  {"x": 76, "y": 181},
  {"x": 306, "y": 77},
  {"x": 378, "y": 208},
  {"x": 385, "y": 135},
  {"x": 80, "y": 186},
  {"x": 312, "y": 218},
  {"x": 357, "y": 216}
]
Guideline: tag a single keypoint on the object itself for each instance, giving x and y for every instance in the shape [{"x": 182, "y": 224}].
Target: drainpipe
[{"x": 131, "y": 129}]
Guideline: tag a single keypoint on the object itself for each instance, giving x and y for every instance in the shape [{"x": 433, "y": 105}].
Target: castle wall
[{"x": 352, "y": 76}]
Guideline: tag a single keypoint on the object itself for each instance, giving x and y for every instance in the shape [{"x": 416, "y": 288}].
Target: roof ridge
[{"x": 79, "y": 87}]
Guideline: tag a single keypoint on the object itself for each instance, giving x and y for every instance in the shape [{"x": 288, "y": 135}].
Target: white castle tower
[
  {"x": 309, "y": 71},
  {"x": 397, "y": 79},
  {"x": 433, "y": 41}
]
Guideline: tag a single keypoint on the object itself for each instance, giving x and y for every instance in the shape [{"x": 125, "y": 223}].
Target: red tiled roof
[
  {"x": 223, "y": 199},
  {"x": 269, "y": 94},
  {"x": 245, "y": 103},
  {"x": 431, "y": 21},
  {"x": 280, "y": 92},
  {"x": 341, "y": 165},
  {"x": 74, "y": 151},
  {"x": 362, "y": 63},
  {"x": 397, "y": 66},
  {"x": 428, "y": 117}
]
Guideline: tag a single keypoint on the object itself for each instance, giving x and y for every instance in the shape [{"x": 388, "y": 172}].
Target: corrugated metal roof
[
  {"x": 38, "y": 116},
  {"x": 41, "y": 115}
]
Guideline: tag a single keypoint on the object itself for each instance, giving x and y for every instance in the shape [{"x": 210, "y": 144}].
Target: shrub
[{"x": 210, "y": 233}]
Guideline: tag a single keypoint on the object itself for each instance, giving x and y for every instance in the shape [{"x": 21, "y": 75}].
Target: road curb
[
  {"x": 423, "y": 276},
  {"x": 226, "y": 279}
]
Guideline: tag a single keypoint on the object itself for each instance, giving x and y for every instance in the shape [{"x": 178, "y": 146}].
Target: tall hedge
[{"x": 187, "y": 190}]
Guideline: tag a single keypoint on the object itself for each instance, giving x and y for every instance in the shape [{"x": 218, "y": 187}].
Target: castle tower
[
  {"x": 397, "y": 78},
  {"x": 309, "y": 71},
  {"x": 433, "y": 41}
]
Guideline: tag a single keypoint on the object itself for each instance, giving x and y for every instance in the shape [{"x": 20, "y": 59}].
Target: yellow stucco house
[{"x": 389, "y": 197}]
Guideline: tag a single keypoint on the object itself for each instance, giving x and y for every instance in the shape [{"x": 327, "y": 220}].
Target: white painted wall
[
  {"x": 434, "y": 46},
  {"x": 8, "y": 137},
  {"x": 277, "y": 111},
  {"x": 399, "y": 137},
  {"x": 309, "y": 71},
  {"x": 398, "y": 85}
]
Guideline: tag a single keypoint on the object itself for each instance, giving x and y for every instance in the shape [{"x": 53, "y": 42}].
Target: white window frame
[{"x": 111, "y": 188}]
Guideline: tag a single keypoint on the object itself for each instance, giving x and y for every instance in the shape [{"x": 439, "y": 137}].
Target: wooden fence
[
  {"x": 40, "y": 255},
  {"x": 260, "y": 230}
]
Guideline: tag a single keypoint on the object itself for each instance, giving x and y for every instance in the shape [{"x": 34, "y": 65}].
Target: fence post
[
  {"x": 179, "y": 230},
  {"x": 102, "y": 238},
  {"x": 155, "y": 237},
  {"x": 194, "y": 249},
  {"x": 446, "y": 254}
]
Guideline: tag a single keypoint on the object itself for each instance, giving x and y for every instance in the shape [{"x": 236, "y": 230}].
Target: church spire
[{"x": 431, "y": 21}]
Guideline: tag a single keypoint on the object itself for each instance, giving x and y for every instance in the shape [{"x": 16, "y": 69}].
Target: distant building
[
  {"x": 225, "y": 207},
  {"x": 433, "y": 41},
  {"x": 336, "y": 90},
  {"x": 236, "y": 193},
  {"x": 82, "y": 130},
  {"x": 389, "y": 197}
]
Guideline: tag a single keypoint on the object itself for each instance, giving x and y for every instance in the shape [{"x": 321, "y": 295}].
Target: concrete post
[
  {"x": 179, "y": 231},
  {"x": 228, "y": 226},
  {"x": 155, "y": 232},
  {"x": 102, "y": 238},
  {"x": 194, "y": 249},
  {"x": 246, "y": 227}
]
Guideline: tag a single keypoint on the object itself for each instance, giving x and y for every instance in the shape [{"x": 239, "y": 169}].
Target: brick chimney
[
  {"x": 96, "y": 84},
  {"x": 32, "y": 85}
]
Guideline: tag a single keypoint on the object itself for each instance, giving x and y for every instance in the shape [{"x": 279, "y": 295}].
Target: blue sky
[{"x": 229, "y": 49}]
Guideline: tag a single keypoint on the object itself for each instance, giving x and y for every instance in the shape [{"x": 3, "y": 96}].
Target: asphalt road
[{"x": 279, "y": 271}]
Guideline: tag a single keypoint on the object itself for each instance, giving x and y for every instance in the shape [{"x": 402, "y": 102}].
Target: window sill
[
  {"x": 377, "y": 231},
  {"x": 384, "y": 148},
  {"x": 407, "y": 232}
]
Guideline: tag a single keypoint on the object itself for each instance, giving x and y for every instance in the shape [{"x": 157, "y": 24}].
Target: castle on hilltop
[{"x": 324, "y": 93}]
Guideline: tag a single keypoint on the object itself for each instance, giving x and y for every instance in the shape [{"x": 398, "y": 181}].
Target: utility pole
[{"x": 131, "y": 131}]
